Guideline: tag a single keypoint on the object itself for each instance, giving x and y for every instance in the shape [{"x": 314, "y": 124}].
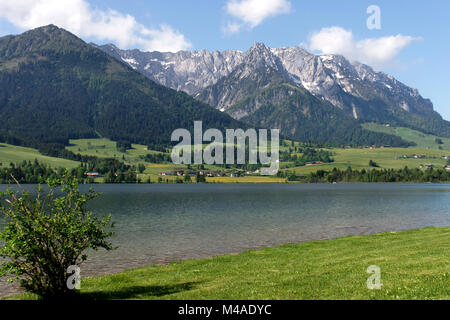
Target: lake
[{"x": 156, "y": 224}]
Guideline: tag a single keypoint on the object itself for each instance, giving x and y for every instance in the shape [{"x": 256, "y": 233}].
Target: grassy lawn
[
  {"x": 421, "y": 139},
  {"x": 105, "y": 148},
  {"x": 414, "y": 265},
  {"x": 356, "y": 158},
  {"x": 15, "y": 154},
  {"x": 359, "y": 159},
  {"x": 247, "y": 179}
]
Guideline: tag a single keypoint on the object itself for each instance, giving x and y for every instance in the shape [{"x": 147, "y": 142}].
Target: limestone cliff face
[{"x": 229, "y": 81}]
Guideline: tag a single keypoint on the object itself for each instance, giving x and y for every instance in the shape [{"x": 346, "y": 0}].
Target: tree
[
  {"x": 141, "y": 168},
  {"x": 123, "y": 146},
  {"x": 373, "y": 164},
  {"x": 44, "y": 235},
  {"x": 200, "y": 178}
]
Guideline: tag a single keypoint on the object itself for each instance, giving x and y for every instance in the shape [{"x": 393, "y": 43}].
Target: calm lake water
[{"x": 156, "y": 224}]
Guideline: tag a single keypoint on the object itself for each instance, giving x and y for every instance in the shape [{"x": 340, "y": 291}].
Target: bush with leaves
[{"x": 45, "y": 234}]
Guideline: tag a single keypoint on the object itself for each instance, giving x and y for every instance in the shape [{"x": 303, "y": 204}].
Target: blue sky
[{"x": 413, "y": 42}]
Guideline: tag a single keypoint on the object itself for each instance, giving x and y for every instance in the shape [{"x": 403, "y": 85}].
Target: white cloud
[
  {"x": 252, "y": 13},
  {"x": 232, "y": 27},
  {"x": 376, "y": 52},
  {"x": 78, "y": 17}
]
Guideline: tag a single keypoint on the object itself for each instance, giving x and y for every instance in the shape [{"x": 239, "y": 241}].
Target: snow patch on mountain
[{"x": 329, "y": 77}]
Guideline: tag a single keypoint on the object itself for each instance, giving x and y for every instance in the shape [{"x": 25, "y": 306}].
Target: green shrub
[{"x": 44, "y": 235}]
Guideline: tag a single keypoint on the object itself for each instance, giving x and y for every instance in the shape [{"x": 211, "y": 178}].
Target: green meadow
[
  {"x": 14, "y": 154},
  {"x": 414, "y": 265},
  {"x": 357, "y": 158},
  {"x": 105, "y": 148},
  {"x": 422, "y": 140},
  {"x": 386, "y": 158},
  {"x": 246, "y": 179}
]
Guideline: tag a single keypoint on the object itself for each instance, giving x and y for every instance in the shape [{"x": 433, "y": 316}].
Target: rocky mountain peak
[
  {"x": 259, "y": 48},
  {"x": 259, "y": 56},
  {"x": 349, "y": 86}
]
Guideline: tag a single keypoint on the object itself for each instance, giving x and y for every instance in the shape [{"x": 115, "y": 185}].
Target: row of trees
[
  {"x": 306, "y": 155},
  {"x": 28, "y": 172},
  {"x": 157, "y": 158},
  {"x": 374, "y": 175},
  {"x": 33, "y": 172}
]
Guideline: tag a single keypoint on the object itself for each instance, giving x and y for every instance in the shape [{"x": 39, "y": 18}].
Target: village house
[
  {"x": 447, "y": 167},
  {"x": 313, "y": 163},
  {"x": 92, "y": 174},
  {"x": 116, "y": 174}
]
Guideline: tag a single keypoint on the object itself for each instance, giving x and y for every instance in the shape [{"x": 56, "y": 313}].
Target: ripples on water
[{"x": 156, "y": 224}]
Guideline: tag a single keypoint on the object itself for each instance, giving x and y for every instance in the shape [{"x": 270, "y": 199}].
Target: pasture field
[
  {"x": 246, "y": 179},
  {"x": 421, "y": 139},
  {"x": 15, "y": 154},
  {"x": 105, "y": 148},
  {"x": 386, "y": 158},
  {"x": 357, "y": 158}
]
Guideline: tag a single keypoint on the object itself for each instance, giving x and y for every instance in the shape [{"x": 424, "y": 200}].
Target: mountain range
[
  {"x": 290, "y": 88},
  {"x": 56, "y": 87}
]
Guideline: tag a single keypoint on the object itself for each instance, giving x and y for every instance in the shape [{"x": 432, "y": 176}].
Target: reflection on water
[{"x": 156, "y": 224}]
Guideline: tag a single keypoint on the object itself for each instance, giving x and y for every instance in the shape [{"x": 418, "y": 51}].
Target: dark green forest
[
  {"x": 55, "y": 87},
  {"x": 33, "y": 172},
  {"x": 371, "y": 176}
]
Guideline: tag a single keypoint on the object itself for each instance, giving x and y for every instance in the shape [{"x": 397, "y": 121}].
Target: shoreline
[
  {"x": 359, "y": 240},
  {"x": 250, "y": 183}
]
